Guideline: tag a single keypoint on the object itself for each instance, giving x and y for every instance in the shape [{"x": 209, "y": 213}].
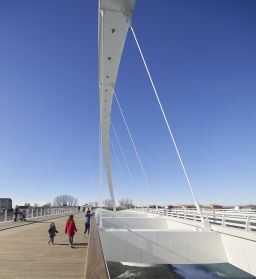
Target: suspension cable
[
  {"x": 116, "y": 169},
  {"x": 168, "y": 127},
  {"x": 123, "y": 154},
  {"x": 118, "y": 162},
  {"x": 137, "y": 154}
]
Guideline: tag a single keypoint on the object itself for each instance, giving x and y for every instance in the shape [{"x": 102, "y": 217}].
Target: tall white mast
[{"x": 114, "y": 22}]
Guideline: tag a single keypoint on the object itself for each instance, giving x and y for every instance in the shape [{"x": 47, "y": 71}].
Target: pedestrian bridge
[
  {"x": 25, "y": 253},
  {"x": 155, "y": 237}
]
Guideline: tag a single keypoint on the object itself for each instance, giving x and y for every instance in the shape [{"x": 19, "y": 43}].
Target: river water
[{"x": 212, "y": 271}]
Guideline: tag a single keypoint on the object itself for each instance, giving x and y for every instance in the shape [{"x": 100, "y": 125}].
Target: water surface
[{"x": 212, "y": 271}]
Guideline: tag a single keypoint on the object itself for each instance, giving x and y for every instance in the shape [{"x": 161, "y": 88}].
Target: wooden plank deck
[{"x": 24, "y": 252}]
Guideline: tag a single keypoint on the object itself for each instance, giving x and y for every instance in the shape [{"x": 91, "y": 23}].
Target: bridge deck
[{"x": 24, "y": 252}]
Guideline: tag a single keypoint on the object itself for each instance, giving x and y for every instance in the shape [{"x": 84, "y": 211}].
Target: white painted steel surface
[
  {"x": 114, "y": 21},
  {"x": 152, "y": 238},
  {"x": 145, "y": 222},
  {"x": 236, "y": 227},
  {"x": 241, "y": 252},
  {"x": 142, "y": 238},
  {"x": 162, "y": 247}
]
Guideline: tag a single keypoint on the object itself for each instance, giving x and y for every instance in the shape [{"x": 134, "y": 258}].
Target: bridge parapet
[
  {"x": 244, "y": 220},
  {"x": 151, "y": 236},
  {"x": 31, "y": 213}
]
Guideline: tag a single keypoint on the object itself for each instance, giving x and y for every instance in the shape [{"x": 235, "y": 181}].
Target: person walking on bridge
[
  {"x": 70, "y": 229},
  {"x": 15, "y": 213},
  {"x": 87, "y": 219},
  {"x": 51, "y": 233}
]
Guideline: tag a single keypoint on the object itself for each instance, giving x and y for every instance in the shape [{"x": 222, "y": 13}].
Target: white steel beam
[{"x": 114, "y": 22}]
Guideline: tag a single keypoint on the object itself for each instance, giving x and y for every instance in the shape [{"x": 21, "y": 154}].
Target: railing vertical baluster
[
  {"x": 223, "y": 221},
  {"x": 206, "y": 218},
  {"x": 5, "y": 215},
  {"x": 247, "y": 224}
]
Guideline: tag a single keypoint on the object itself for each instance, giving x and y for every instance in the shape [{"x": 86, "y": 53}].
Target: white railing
[
  {"x": 240, "y": 219},
  {"x": 30, "y": 213}
]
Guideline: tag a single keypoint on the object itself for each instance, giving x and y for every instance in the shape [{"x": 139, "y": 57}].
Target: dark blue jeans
[
  {"x": 87, "y": 228},
  {"x": 71, "y": 239}
]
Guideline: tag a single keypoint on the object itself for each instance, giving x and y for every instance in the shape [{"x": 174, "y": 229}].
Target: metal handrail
[
  {"x": 245, "y": 220},
  {"x": 30, "y": 213}
]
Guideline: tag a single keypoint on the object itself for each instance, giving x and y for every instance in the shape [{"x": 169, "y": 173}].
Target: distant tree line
[
  {"x": 65, "y": 200},
  {"x": 123, "y": 204}
]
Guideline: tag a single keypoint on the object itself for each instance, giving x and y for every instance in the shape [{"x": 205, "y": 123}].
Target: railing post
[
  {"x": 206, "y": 218},
  {"x": 41, "y": 212},
  {"x": 5, "y": 215},
  {"x": 100, "y": 217},
  {"x": 223, "y": 221},
  {"x": 247, "y": 224},
  {"x": 32, "y": 213}
]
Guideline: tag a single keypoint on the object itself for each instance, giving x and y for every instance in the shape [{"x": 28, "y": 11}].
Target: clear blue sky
[{"x": 202, "y": 58}]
